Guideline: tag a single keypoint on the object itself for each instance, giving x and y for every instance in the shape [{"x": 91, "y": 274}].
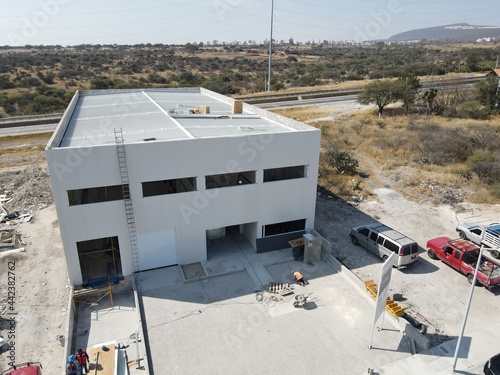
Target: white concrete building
[{"x": 144, "y": 178}]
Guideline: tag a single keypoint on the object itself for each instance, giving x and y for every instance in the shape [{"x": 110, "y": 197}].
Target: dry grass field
[
  {"x": 20, "y": 151},
  {"x": 408, "y": 153}
]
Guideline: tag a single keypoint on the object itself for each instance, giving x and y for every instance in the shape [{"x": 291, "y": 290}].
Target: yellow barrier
[{"x": 391, "y": 306}]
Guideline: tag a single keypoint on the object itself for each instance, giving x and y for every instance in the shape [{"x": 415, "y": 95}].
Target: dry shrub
[
  {"x": 425, "y": 155},
  {"x": 390, "y": 164},
  {"x": 360, "y": 124},
  {"x": 441, "y": 146},
  {"x": 483, "y": 137},
  {"x": 482, "y": 195}
]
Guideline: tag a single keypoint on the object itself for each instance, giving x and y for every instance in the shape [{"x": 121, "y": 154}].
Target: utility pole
[
  {"x": 469, "y": 301},
  {"x": 498, "y": 77},
  {"x": 270, "y": 48}
]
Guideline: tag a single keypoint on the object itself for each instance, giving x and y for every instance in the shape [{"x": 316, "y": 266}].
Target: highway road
[
  {"x": 331, "y": 101},
  {"x": 27, "y": 129}
]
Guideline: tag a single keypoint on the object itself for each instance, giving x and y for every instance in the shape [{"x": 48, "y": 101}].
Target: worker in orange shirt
[{"x": 298, "y": 278}]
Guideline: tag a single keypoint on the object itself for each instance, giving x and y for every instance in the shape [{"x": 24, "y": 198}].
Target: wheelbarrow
[{"x": 301, "y": 300}]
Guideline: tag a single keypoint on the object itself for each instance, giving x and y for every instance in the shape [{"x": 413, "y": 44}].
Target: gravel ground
[{"x": 435, "y": 294}]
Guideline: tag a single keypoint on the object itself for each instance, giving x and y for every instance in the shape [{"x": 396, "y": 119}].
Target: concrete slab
[
  {"x": 475, "y": 349},
  {"x": 235, "y": 253},
  {"x": 217, "y": 325},
  {"x": 100, "y": 323},
  {"x": 166, "y": 276}
]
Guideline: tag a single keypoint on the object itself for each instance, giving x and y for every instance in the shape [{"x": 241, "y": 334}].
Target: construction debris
[
  {"x": 7, "y": 238},
  {"x": 281, "y": 289},
  {"x": 28, "y": 192}
]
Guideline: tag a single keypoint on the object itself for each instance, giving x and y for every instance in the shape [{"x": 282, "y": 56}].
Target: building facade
[{"x": 144, "y": 178}]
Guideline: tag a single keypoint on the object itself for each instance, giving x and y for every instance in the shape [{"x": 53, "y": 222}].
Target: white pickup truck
[{"x": 487, "y": 235}]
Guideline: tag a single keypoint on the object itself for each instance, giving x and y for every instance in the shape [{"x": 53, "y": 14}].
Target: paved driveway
[{"x": 215, "y": 325}]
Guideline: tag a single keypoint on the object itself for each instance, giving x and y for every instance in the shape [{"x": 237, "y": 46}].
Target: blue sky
[{"x": 71, "y": 22}]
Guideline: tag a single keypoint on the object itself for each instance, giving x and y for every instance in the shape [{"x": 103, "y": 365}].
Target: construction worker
[
  {"x": 82, "y": 357},
  {"x": 71, "y": 368},
  {"x": 298, "y": 278}
]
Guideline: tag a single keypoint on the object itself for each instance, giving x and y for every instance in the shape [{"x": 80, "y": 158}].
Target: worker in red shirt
[{"x": 82, "y": 357}]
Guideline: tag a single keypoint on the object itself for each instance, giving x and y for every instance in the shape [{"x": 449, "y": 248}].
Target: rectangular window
[
  {"x": 286, "y": 173},
  {"x": 163, "y": 187},
  {"x": 285, "y": 227},
  {"x": 391, "y": 246},
  {"x": 406, "y": 250},
  {"x": 229, "y": 179},
  {"x": 95, "y": 195}
]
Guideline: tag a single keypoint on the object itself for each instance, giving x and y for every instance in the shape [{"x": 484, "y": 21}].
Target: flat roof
[{"x": 161, "y": 115}]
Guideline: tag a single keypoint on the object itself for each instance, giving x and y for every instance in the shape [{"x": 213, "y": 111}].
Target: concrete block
[
  {"x": 204, "y": 109},
  {"x": 421, "y": 341},
  {"x": 237, "y": 107}
]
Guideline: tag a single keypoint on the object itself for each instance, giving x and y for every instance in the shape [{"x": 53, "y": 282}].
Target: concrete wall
[
  {"x": 251, "y": 232},
  {"x": 189, "y": 214},
  {"x": 78, "y": 168}
]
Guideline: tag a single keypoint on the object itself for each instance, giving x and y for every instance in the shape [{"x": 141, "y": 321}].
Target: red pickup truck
[
  {"x": 28, "y": 368},
  {"x": 463, "y": 255}
]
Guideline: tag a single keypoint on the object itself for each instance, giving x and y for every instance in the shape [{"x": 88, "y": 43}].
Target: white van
[{"x": 383, "y": 240}]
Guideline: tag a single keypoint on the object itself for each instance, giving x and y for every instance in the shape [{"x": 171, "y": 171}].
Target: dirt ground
[{"x": 434, "y": 294}]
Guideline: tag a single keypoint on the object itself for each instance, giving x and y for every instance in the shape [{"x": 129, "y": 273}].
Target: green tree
[
  {"x": 101, "y": 82},
  {"x": 46, "y": 78},
  {"x": 488, "y": 92},
  {"x": 472, "y": 61},
  {"x": 343, "y": 161},
  {"x": 406, "y": 89},
  {"x": 156, "y": 78},
  {"x": 5, "y": 83},
  {"x": 429, "y": 96},
  {"x": 191, "y": 48},
  {"x": 381, "y": 92}
]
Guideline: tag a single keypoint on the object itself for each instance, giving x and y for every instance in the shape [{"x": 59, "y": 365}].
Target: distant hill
[{"x": 458, "y": 31}]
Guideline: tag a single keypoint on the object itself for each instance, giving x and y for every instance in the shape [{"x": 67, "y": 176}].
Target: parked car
[
  {"x": 463, "y": 256},
  {"x": 492, "y": 366},
  {"x": 476, "y": 233},
  {"x": 383, "y": 240},
  {"x": 28, "y": 368}
]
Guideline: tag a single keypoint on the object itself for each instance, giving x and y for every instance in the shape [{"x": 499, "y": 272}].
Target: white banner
[{"x": 383, "y": 290}]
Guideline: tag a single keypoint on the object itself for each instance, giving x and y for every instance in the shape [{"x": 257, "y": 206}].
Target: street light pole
[
  {"x": 455, "y": 357},
  {"x": 270, "y": 48}
]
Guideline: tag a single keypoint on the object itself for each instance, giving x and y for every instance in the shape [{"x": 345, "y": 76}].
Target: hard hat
[{"x": 71, "y": 357}]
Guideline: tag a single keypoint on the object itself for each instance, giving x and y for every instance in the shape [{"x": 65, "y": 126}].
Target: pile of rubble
[{"x": 28, "y": 192}]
